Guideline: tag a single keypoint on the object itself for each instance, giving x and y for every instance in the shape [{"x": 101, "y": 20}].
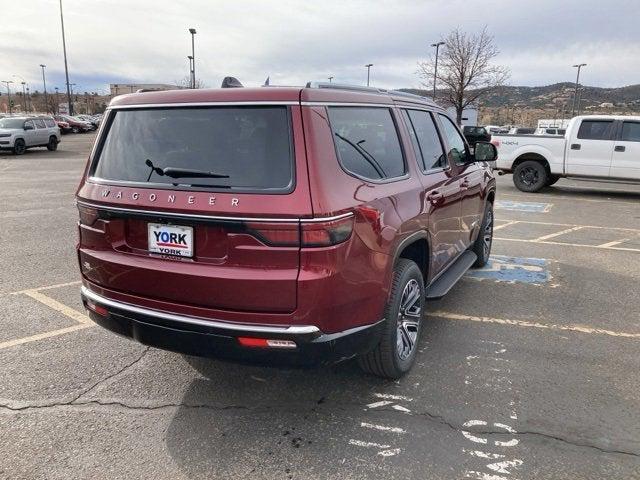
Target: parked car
[
  {"x": 302, "y": 224},
  {"x": 476, "y": 134},
  {"x": 550, "y": 131},
  {"x": 522, "y": 131},
  {"x": 77, "y": 125},
  {"x": 63, "y": 126},
  {"x": 21, "y": 133},
  {"x": 600, "y": 147},
  {"x": 493, "y": 129},
  {"x": 89, "y": 119}
]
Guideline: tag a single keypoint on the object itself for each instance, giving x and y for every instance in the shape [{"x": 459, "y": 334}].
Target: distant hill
[{"x": 555, "y": 96}]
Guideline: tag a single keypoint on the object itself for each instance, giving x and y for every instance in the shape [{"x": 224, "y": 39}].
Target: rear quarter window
[
  {"x": 595, "y": 130},
  {"x": 367, "y": 142},
  {"x": 250, "y": 145}
]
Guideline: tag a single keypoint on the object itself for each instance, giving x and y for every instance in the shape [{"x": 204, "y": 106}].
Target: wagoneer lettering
[{"x": 305, "y": 224}]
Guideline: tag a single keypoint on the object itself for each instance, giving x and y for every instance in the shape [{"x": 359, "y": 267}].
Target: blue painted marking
[
  {"x": 514, "y": 270},
  {"x": 534, "y": 207}
]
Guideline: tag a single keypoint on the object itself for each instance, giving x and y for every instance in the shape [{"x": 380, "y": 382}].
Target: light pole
[
  {"x": 24, "y": 98},
  {"x": 368, "y": 65},
  {"x": 44, "y": 82},
  {"x": 190, "y": 70},
  {"x": 575, "y": 95},
  {"x": 66, "y": 67},
  {"x": 28, "y": 99},
  {"x": 7, "y": 82},
  {"x": 435, "y": 70},
  {"x": 192, "y": 31},
  {"x": 57, "y": 101},
  {"x": 71, "y": 85},
  {"x": 330, "y": 78}
]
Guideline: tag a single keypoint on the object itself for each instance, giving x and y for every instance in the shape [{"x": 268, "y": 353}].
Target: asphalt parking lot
[{"x": 529, "y": 368}]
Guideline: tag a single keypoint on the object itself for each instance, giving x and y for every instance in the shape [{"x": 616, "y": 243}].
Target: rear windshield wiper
[
  {"x": 174, "y": 172},
  {"x": 366, "y": 155}
]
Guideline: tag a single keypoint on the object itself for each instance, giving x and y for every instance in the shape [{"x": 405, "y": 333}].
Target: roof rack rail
[
  {"x": 344, "y": 86},
  {"x": 360, "y": 88}
]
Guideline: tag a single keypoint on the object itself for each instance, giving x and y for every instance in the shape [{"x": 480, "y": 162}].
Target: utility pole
[
  {"x": 57, "y": 109},
  {"x": 435, "y": 70},
  {"x": 28, "y": 99},
  {"x": 192, "y": 31},
  {"x": 190, "y": 71},
  {"x": 575, "y": 95},
  {"x": 66, "y": 67},
  {"x": 7, "y": 82},
  {"x": 44, "y": 82},
  {"x": 368, "y": 65}
]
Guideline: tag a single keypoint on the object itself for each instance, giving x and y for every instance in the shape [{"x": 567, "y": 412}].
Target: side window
[
  {"x": 595, "y": 129},
  {"x": 367, "y": 142},
  {"x": 457, "y": 148},
  {"x": 39, "y": 123},
  {"x": 425, "y": 139},
  {"x": 29, "y": 123},
  {"x": 630, "y": 132},
  {"x": 49, "y": 123}
]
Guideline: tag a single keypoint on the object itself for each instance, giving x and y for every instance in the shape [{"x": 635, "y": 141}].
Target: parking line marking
[
  {"x": 360, "y": 443},
  {"x": 82, "y": 319},
  {"x": 48, "y": 287},
  {"x": 504, "y": 225},
  {"x": 527, "y": 324},
  {"x": 614, "y": 243},
  {"x": 59, "y": 307},
  {"x": 636, "y": 230},
  {"x": 382, "y": 427},
  {"x": 557, "y": 234},
  {"x": 388, "y": 396},
  {"x": 544, "y": 242},
  {"x": 537, "y": 196},
  {"x": 42, "y": 336}
]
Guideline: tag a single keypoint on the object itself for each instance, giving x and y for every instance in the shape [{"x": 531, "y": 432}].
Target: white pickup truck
[{"x": 595, "y": 147}]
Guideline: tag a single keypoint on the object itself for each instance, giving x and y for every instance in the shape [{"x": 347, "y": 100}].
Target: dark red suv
[{"x": 297, "y": 224}]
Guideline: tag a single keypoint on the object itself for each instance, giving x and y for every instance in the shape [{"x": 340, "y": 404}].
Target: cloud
[{"x": 294, "y": 41}]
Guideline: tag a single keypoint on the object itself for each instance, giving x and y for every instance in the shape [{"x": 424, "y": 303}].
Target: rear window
[
  {"x": 367, "y": 142},
  {"x": 595, "y": 130},
  {"x": 229, "y": 148}
]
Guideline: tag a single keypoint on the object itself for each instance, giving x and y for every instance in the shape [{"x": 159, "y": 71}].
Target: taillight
[
  {"x": 88, "y": 215},
  {"x": 275, "y": 234},
  {"x": 324, "y": 234},
  {"x": 316, "y": 233}
]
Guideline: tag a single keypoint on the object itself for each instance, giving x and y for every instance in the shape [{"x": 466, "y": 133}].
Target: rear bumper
[{"x": 210, "y": 338}]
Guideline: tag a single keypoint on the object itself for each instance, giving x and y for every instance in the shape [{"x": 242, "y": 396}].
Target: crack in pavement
[{"x": 439, "y": 419}]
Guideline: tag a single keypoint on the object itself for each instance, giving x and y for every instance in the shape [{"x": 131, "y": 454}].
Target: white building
[{"x": 123, "y": 88}]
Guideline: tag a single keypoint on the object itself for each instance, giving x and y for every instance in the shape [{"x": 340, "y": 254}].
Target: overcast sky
[{"x": 120, "y": 41}]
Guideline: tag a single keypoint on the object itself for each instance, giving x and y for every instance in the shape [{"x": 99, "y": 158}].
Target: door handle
[
  {"x": 619, "y": 148},
  {"x": 575, "y": 146},
  {"x": 465, "y": 183},
  {"x": 435, "y": 197}
]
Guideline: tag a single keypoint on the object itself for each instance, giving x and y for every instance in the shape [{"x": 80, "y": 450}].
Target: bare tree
[
  {"x": 465, "y": 69},
  {"x": 185, "y": 82}
]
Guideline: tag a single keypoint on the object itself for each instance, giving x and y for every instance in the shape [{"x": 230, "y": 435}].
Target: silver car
[{"x": 19, "y": 133}]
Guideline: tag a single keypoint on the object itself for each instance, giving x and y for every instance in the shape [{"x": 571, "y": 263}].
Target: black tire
[
  {"x": 395, "y": 354},
  {"x": 530, "y": 176},
  {"x": 552, "y": 180},
  {"x": 19, "y": 147},
  {"x": 482, "y": 246},
  {"x": 75, "y": 130},
  {"x": 52, "y": 146}
]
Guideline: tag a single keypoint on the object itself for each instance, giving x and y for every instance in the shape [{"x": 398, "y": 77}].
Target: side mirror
[
  {"x": 28, "y": 127},
  {"x": 485, "y": 152}
]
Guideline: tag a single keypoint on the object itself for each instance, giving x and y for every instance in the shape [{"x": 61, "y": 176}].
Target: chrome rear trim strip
[
  {"x": 294, "y": 330},
  {"x": 194, "y": 216}
]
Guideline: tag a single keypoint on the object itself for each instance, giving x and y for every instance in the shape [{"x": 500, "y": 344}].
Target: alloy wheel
[
  {"x": 408, "y": 319},
  {"x": 529, "y": 176},
  {"x": 487, "y": 235}
]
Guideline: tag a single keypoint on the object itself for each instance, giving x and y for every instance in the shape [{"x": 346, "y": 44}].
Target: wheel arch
[
  {"x": 416, "y": 247},
  {"x": 533, "y": 156}
]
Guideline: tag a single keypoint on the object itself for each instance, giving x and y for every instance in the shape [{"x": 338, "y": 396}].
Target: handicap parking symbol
[
  {"x": 531, "y": 207},
  {"x": 502, "y": 268}
]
